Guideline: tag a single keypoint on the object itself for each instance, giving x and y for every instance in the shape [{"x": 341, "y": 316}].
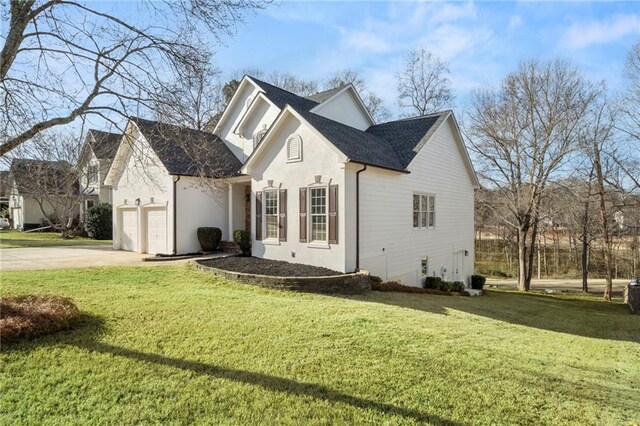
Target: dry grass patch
[{"x": 30, "y": 316}]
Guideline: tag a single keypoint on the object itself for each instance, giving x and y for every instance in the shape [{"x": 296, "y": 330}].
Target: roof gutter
[
  {"x": 358, "y": 217},
  {"x": 405, "y": 171}
]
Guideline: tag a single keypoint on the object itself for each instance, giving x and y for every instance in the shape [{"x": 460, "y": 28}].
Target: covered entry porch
[{"x": 239, "y": 205}]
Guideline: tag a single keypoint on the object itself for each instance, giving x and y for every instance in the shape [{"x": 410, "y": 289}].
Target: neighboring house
[
  {"x": 320, "y": 183},
  {"x": 41, "y": 188},
  {"x": 5, "y": 189},
  {"x": 93, "y": 164}
]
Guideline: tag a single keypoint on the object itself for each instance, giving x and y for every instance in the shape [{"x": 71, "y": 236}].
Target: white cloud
[
  {"x": 580, "y": 35},
  {"x": 515, "y": 22},
  {"x": 364, "y": 41}
]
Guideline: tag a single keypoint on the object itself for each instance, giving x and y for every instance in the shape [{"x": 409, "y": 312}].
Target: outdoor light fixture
[
  {"x": 137, "y": 201},
  {"x": 466, "y": 252}
]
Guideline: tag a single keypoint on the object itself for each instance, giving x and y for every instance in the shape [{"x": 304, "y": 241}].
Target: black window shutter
[
  {"x": 258, "y": 215},
  {"x": 303, "y": 215},
  {"x": 333, "y": 214},
  {"x": 283, "y": 214}
]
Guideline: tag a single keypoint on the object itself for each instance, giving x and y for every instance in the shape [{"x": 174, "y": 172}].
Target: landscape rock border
[{"x": 354, "y": 283}]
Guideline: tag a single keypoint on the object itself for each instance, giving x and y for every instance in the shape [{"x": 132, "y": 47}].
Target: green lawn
[
  {"x": 16, "y": 239},
  {"x": 173, "y": 345}
]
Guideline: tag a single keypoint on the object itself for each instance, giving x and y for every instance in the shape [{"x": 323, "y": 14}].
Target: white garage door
[
  {"x": 129, "y": 230},
  {"x": 156, "y": 231}
]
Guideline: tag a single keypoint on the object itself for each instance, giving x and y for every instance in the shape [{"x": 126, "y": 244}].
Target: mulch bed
[
  {"x": 274, "y": 268},
  {"x": 393, "y": 286},
  {"x": 30, "y": 316}
]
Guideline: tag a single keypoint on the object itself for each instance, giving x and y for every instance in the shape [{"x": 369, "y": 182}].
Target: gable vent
[{"x": 294, "y": 148}]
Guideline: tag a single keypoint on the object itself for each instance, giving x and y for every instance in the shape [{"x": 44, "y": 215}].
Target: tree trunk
[
  {"x": 605, "y": 224},
  {"x": 523, "y": 285},
  {"x": 585, "y": 247}
]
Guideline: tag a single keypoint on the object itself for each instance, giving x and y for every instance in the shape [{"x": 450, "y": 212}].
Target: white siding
[
  {"x": 389, "y": 245},
  {"x": 264, "y": 114},
  {"x": 197, "y": 207},
  {"x": 344, "y": 109},
  {"x": 318, "y": 159},
  {"x": 145, "y": 178}
]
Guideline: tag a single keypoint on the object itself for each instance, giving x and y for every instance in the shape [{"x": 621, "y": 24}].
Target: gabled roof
[
  {"x": 104, "y": 144},
  {"x": 189, "y": 152},
  {"x": 324, "y": 95},
  {"x": 356, "y": 145},
  {"x": 406, "y": 137},
  {"x": 281, "y": 97},
  {"x": 40, "y": 176}
]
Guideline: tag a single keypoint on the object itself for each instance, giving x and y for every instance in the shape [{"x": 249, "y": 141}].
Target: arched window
[{"x": 294, "y": 148}]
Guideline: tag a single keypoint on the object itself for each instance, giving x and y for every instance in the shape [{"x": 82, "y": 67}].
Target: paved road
[{"x": 595, "y": 285}]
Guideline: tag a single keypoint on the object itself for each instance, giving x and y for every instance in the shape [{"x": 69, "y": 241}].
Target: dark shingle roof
[
  {"x": 104, "y": 144},
  {"x": 320, "y": 97},
  {"x": 281, "y": 97},
  {"x": 406, "y": 136},
  {"x": 358, "y": 146},
  {"x": 40, "y": 176},
  {"x": 189, "y": 152}
]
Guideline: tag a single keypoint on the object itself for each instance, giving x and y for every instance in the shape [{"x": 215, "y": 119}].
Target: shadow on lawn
[
  {"x": 87, "y": 331},
  {"x": 563, "y": 314}
]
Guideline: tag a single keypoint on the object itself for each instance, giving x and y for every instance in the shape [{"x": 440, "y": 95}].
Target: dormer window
[
  {"x": 258, "y": 137},
  {"x": 294, "y": 148},
  {"x": 93, "y": 173}
]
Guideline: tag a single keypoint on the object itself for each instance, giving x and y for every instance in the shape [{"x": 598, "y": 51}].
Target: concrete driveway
[{"x": 22, "y": 259}]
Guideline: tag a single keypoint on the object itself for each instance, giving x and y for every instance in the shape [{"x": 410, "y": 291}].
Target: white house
[
  {"x": 39, "y": 188},
  {"x": 318, "y": 182},
  {"x": 93, "y": 164}
]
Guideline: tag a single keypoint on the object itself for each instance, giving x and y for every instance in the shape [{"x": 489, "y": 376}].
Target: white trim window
[
  {"x": 294, "y": 148},
  {"x": 318, "y": 213},
  {"x": 424, "y": 266},
  {"x": 424, "y": 211},
  {"x": 271, "y": 214},
  {"x": 258, "y": 137},
  {"x": 92, "y": 173}
]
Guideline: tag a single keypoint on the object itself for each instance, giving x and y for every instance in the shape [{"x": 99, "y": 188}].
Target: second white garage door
[
  {"x": 156, "y": 220},
  {"x": 129, "y": 235}
]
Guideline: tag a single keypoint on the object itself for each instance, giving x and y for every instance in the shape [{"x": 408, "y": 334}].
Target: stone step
[{"x": 229, "y": 247}]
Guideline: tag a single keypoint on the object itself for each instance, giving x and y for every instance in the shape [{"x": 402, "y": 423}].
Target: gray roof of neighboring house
[
  {"x": 320, "y": 97},
  {"x": 189, "y": 152},
  {"x": 281, "y": 97},
  {"x": 40, "y": 176},
  {"x": 104, "y": 144}
]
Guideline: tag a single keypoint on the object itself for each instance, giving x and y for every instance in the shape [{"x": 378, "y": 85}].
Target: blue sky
[{"x": 481, "y": 41}]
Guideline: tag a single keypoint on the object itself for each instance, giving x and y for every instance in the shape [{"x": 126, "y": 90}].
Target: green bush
[
  {"x": 432, "y": 282},
  {"x": 209, "y": 238},
  {"x": 5, "y": 213},
  {"x": 242, "y": 238},
  {"x": 477, "y": 282},
  {"x": 99, "y": 222},
  {"x": 457, "y": 286}
]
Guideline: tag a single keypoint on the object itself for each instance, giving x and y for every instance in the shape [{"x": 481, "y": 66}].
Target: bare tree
[
  {"x": 192, "y": 100},
  {"x": 63, "y": 59},
  {"x": 46, "y": 172},
  {"x": 374, "y": 103},
  {"x": 423, "y": 84},
  {"x": 523, "y": 136}
]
